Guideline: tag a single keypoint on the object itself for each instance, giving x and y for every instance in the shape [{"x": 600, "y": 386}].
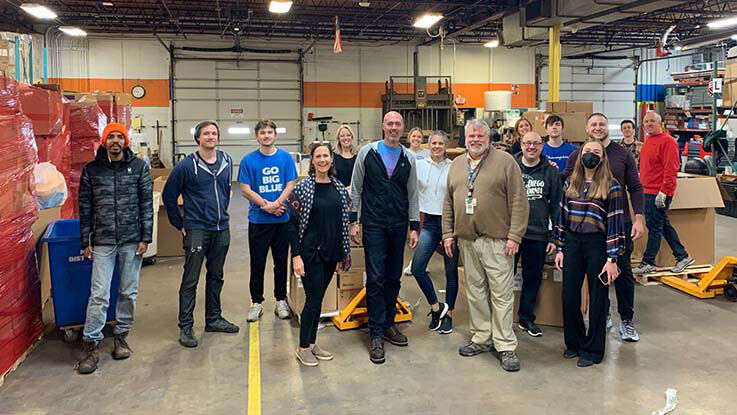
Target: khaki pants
[{"x": 489, "y": 288}]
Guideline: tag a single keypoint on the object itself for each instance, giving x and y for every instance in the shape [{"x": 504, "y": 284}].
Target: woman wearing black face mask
[{"x": 590, "y": 236}]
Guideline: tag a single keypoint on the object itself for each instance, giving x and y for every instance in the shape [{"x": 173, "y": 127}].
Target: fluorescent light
[
  {"x": 733, "y": 37},
  {"x": 677, "y": 47},
  {"x": 280, "y": 6},
  {"x": 281, "y": 130},
  {"x": 492, "y": 43},
  {"x": 107, "y": 4},
  {"x": 722, "y": 23},
  {"x": 239, "y": 130},
  {"x": 427, "y": 20},
  {"x": 38, "y": 11},
  {"x": 73, "y": 31}
]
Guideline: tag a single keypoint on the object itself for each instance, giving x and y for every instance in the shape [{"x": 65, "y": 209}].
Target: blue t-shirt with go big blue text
[{"x": 267, "y": 176}]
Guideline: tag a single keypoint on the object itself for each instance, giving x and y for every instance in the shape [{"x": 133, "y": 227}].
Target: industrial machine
[{"x": 426, "y": 102}]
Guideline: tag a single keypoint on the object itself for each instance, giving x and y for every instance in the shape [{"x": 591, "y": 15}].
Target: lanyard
[{"x": 473, "y": 173}]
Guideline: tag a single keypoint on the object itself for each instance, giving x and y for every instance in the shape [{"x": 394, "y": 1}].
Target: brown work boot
[
  {"x": 89, "y": 363},
  {"x": 121, "y": 350}
]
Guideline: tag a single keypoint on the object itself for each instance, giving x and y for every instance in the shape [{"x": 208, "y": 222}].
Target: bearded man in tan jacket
[{"x": 486, "y": 211}]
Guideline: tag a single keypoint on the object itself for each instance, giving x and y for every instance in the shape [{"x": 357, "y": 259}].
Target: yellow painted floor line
[{"x": 254, "y": 370}]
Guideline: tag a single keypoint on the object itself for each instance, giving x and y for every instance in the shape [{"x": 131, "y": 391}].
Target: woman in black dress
[
  {"x": 345, "y": 157},
  {"x": 318, "y": 236}
]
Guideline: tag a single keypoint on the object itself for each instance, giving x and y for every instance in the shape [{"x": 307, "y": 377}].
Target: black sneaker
[
  {"x": 187, "y": 338},
  {"x": 570, "y": 354},
  {"x": 222, "y": 326},
  {"x": 531, "y": 328},
  {"x": 376, "y": 350},
  {"x": 395, "y": 337},
  {"x": 437, "y": 316},
  {"x": 584, "y": 362},
  {"x": 446, "y": 325}
]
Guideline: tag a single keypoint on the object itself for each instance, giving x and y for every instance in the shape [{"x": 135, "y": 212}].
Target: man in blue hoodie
[
  {"x": 544, "y": 191},
  {"x": 203, "y": 179}
]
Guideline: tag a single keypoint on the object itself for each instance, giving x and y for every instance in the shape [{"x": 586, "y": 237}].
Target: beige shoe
[
  {"x": 306, "y": 357},
  {"x": 321, "y": 353}
]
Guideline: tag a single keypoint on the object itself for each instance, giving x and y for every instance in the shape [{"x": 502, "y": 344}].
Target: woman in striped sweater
[{"x": 590, "y": 236}]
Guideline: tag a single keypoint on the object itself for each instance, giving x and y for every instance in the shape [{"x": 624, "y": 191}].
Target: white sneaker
[
  {"x": 408, "y": 270},
  {"x": 282, "y": 309},
  {"x": 255, "y": 312}
]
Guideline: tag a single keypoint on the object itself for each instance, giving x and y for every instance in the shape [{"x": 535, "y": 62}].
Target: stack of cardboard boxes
[
  {"x": 729, "y": 88},
  {"x": 574, "y": 116},
  {"x": 169, "y": 238}
]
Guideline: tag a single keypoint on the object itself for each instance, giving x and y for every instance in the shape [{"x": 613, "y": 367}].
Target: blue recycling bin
[{"x": 71, "y": 273}]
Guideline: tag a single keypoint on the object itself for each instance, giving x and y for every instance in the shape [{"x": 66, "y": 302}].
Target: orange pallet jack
[
  {"x": 720, "y": 280},
  {"x": 354, "y": 315}
]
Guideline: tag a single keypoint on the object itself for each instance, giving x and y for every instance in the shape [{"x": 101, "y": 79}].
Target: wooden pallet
[{"x": 688, "y": 273}]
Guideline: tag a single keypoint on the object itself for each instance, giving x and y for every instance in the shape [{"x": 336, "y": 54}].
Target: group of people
[{"x": 488, "y": 206}]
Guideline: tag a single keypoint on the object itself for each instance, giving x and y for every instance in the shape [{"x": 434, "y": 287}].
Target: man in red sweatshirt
[{"x": 658, "y": 171}]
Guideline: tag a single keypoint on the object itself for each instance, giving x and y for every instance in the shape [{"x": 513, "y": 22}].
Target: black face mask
[{"x": 590, "y": 160}]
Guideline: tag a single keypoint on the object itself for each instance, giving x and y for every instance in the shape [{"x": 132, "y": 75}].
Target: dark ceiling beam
[{"x": 470, "y": 27}]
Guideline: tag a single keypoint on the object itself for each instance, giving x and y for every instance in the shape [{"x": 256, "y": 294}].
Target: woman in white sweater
[{"x": 432, "y": 178}]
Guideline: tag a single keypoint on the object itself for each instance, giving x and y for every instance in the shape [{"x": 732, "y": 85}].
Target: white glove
[{"x": 660, "y": 200}]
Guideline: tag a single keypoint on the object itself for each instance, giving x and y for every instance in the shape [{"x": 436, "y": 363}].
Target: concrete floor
[{"x": 686, "y": 344}]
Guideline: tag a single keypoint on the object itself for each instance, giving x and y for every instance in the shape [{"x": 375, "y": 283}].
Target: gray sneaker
[
  {"x": 255, "y": 312},
  {"x": 682, "y": 264},
  {"x": 282, "y": 309},
  {"x": 306, "y": 357},
  {"x": 627, "y": 331},
  {"x": 472, "y": 349},
  {"x": 321, "y": 353},
  {"x": 644, "y": 268},
  {"x": 609, "y": 322},
  {"x": 509, "y": 361}
]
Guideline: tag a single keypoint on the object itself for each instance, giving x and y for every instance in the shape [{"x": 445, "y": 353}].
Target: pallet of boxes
[{"x": 574, "y": 116}]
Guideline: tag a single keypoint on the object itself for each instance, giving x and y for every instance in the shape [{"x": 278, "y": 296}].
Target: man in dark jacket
[
  {"x": 203, "y": 179},
  {"x": 116, "y": 219},
  {"x": 384, "y": 183},
  {"x": 544, "y": 191}
]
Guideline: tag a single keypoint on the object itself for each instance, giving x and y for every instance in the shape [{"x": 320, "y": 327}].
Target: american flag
[{"x": 338, "y": 44}]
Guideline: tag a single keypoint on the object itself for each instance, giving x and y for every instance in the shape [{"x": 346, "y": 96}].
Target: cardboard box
[
  {"x": 296, "y": 295},
  {"x": 692, "y": 214},
  {"x": 44, "y": 108},
  {"x": 563, "y": 107},
  {"x": 159, "y": 172},
  {"x": 549, "y": 306},
  {"x": 574, "y": 129},
  {"x": 537, "y": 119},
  {"x": 45, "y": 217},
  {"x": 729, "y": 87},
  {"x": 346, "y": 296},
  {"x": 353, "y": 279}
]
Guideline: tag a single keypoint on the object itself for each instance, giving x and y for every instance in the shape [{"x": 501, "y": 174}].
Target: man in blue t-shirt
[
  {"x": 267, "y": 176},
  {"x": 557, "y": 150}
]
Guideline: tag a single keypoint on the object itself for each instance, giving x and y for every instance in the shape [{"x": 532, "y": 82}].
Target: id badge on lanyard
[{"x": 472, "y": 174}]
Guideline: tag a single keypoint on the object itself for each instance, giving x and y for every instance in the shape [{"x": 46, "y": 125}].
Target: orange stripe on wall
[
  {"x": 368, "y": 94},
  {"x": 157, "y": 90}
]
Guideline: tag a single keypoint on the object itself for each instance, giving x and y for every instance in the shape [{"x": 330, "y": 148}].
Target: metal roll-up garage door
[{"x": 236, "y": 94}]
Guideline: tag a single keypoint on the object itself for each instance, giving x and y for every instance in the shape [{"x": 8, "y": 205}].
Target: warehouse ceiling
[{"x": 607, "y": 23}]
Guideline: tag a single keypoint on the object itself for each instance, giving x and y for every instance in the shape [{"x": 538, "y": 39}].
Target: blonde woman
[
  {"x": 345, "y": 155},
  {"x": 521, "y": 127},
  {"x": 590, "y": 237},
  {"x": 415, "y": 139}
]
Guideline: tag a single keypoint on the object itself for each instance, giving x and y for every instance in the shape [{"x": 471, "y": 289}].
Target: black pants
[
  {"x": 533, "y": 261},
  {"x": 384, "y": 251},
  {"x": 584, "y": 255},
  {"x": 201, "y": 245},
  {"x": 261, "y": 237},
  {"x": 316, "y": 280},
  {"x": 624, "y": 285}
]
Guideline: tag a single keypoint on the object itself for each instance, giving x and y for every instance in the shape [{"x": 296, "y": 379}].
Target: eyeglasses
[{"x": 531, "y": 144}]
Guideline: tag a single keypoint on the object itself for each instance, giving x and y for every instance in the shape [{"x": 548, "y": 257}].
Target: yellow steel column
[{"x": 554, "y": 64}]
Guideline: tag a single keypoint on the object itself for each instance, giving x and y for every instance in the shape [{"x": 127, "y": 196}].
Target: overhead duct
[{"x": 529, "y": 25}]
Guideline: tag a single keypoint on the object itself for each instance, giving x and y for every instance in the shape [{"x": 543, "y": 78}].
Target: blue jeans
[
  {"x": 384, "y": 251},
  {"x": 658, "y": 226},
  {"x": 103, "y": 265},
  {"x": 430, "y": 236}
]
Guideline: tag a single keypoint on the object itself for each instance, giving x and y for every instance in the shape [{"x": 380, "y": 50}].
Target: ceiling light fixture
[
  {"x": 722, "y": 23},
  {"x": 280, "y": 6},
  {"x": 73, "y": 31},
  {"x": 492, "y": 43},
  {"x": 364, "y": 3},
  {"x": 733, "y": 37},
  {"x": 107, "y": 4},
  {"x": 39, "y": 11},
  {"x": 239, "y": 130},
  {"x": 427, "y": 20}
]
